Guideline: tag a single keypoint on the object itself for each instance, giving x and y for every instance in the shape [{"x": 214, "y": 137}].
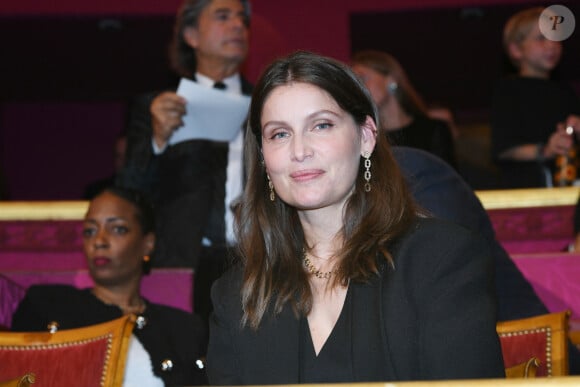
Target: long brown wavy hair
[{"x": 270, "y": 235}]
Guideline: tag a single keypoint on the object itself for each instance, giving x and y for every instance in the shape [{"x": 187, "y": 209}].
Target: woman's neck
[{"x": 128, "y": 300}]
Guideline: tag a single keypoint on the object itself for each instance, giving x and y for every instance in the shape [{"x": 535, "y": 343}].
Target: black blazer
[
  {"x": 432, "y": 316},
  {"x": 170, "y": 333},
  {"x": 186, "y": 182},
  {"x": 438, "y": 188},
  {"x": 141, "y": 170}
]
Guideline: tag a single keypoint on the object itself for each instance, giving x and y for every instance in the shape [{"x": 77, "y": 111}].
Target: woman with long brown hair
[{"x": 340, "y": 278}]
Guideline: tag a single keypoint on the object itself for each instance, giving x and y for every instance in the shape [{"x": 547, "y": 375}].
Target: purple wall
[{"x": 51, "y": 149}]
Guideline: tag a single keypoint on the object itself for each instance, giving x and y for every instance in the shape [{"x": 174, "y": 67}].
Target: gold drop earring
[{"x": 271, "y": 187}]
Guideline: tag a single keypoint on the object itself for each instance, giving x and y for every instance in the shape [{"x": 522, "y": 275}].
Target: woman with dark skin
[{"x": 118, "y": 240}]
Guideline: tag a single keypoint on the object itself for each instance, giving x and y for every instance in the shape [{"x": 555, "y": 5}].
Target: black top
[
  {"x": 169, "y": 333},
  {"x": 418, "y": 320},
  {"x": 526, "y": 111},
  {"x": 334, "y": 361},
  {"x": 433, "y": 136}
]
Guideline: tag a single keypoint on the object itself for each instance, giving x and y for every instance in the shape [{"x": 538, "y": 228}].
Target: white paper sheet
[{"x": 212, "y": 114}]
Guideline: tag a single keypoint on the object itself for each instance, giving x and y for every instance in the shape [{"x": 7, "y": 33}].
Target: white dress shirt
[{"x": 235, "y": 166}]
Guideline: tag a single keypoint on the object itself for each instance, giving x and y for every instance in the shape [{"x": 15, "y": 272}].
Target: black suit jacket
[
  {"x": 139, "y": 171},
  {"x": 187, "y": 183},
  {"x": 432, "y": 316}
]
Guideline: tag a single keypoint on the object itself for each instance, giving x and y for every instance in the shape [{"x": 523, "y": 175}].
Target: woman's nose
[
  {"x": 101, "y": 239},
  {"x": 301, "y": 147}
]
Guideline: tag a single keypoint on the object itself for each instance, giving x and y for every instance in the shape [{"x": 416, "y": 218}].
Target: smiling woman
[
  {"x": 336, "y": 259},
  {"x": 301, "y": 120}
]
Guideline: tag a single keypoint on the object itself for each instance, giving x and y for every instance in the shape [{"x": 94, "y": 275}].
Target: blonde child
[{"x": 530, "y": 112}]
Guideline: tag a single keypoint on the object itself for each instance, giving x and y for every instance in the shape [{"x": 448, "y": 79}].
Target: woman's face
[
  {"x": 312, "y": 147},
  {"x": 113, "y": 241}
]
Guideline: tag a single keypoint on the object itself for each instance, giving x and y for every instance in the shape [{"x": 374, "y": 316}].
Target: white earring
[{"x": 392, "y": 87}]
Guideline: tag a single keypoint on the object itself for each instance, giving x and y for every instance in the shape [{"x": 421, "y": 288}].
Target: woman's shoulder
[
  {"x": 430, "y": 232},
  {"x": 231, "y": 279},
  {"x": 225, "y": 292},
  {"x": 431, "y": 245},
  {"x": 54, "y": 291}
]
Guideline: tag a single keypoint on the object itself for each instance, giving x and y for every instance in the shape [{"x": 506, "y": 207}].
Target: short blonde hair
[{"x": 518, "y": 27}]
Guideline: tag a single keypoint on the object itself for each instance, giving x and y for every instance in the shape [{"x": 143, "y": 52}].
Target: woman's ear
[
  {"x": 368, "y": 136},
  {"x": 149, "y": 243}
]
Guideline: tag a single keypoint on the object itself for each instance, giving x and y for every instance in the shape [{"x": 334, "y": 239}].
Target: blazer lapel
[
  {"x": 270, "y": 365},
  {"x": 371, "y": 359}
]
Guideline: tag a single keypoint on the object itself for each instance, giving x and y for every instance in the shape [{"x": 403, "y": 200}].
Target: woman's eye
[
  {"x": 279, "y": 135},
  {"x": 88, "y": 232},
  {"x": 120, "y": 230},
  {"x": 324, "y": 125}
]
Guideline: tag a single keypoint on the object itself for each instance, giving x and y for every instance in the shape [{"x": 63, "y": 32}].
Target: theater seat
[
  {"x": 575, "y": 338},
  {"x": 24, "y": 381},
  {"x": 526, "y": 369},
  {"x": 543, "y": 337},
  {"x": 91, "y": 356}
]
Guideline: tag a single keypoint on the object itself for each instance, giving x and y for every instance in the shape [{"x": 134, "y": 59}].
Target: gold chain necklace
[{"x": 313, "y": 270}]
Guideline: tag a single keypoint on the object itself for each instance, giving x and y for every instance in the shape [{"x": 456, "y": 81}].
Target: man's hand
[{"x": 167, "y": 110}]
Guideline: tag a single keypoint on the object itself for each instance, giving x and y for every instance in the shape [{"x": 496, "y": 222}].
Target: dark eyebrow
[
  {"x": 111, "y": 219},
  {"x": 321, "y": 112},
  {"x": 229, "y": 10},
  {"x": 223, "y": 10}
]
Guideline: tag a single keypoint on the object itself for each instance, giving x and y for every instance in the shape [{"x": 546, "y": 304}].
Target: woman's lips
[
  {"x": 306, "y": 175},
  {"x": 101, "y": 261}
]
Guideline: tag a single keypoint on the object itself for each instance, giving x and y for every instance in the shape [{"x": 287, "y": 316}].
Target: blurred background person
[
  {"x": 530, "y": 111},
  {"x": 194, "y": 182},
  {"x": 404, "y": 117},
  {"x": 118, "y": 239}
]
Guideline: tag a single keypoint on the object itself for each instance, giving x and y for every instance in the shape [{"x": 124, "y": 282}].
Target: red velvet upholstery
[
  {"x": 90, "y": 357},
  {"x": 534, "y": 229},
  {"x": 63, "y": 365},
  {"x": 543, "y": 337}
]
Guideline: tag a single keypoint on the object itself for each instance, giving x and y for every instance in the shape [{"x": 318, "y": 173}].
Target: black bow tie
[{"x": 219, "y": 85}]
